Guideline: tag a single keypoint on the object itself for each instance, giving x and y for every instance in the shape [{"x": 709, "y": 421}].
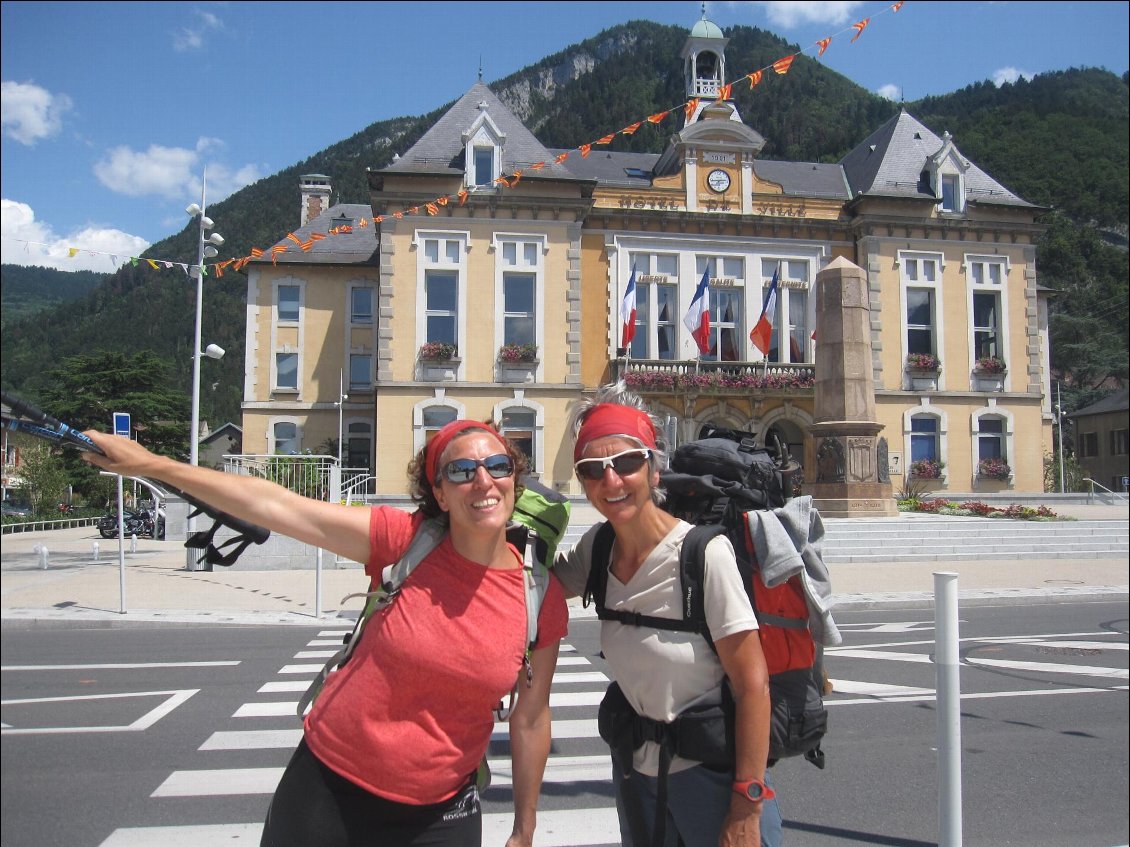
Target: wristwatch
[{"x": 754, "y": 790}]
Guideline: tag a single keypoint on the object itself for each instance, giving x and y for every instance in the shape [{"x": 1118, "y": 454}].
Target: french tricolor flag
[
  {"x": 697, "y": 319},
  {"x": 762, "y": 332},
  {"x": 628, "y": 311}
]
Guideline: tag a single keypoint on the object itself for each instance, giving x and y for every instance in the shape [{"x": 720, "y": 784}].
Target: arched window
[{"x": 285, "y": 436}]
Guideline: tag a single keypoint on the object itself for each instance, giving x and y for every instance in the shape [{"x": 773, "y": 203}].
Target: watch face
[{"x": 718, "y": 180}]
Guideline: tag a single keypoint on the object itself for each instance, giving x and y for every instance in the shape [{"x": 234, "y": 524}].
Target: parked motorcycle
[{"x": 138, "y": 523}]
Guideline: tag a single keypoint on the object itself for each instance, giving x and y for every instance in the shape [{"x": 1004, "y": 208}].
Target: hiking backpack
[
  {"x": 716, "y": 483},
  {"x": 540, "y": 519}
]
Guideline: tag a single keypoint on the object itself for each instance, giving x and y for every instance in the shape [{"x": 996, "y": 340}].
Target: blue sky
[{"x": 111, "y": 111}]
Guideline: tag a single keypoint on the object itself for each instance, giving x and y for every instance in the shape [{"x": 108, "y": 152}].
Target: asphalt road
[{"x": 126, "y": 735}]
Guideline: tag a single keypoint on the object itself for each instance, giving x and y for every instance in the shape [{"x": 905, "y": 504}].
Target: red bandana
[{"x": 613, "y": 419}]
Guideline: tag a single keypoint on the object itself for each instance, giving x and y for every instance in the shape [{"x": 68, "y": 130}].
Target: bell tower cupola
[{"x": 704, "y": 63}]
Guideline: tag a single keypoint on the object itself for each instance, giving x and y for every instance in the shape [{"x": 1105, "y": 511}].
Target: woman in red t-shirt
[{"x": 393, "y": 741}]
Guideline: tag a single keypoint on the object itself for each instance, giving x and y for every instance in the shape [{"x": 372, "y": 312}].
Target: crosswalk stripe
[
  {"x": 575, "y": 698},
  {"x": 579, "y": 676},
  {"x": 562, "y": 828},
  {"x": 225, "y": 782},
  {"x": 876, "y": 689},
  {"x": 259, "y": 739},
  {"x": 209, "y": 835},
  {"x": 558, "y": 769},
  {"x": 566, "y": 661},
  {"x": 311, "y": 669},
  {"x": 266, "y": 710},
  {"x": 314, "y": 654},
  {"x": 284, "y": 687},
  {"x": 562, "y": 729}
]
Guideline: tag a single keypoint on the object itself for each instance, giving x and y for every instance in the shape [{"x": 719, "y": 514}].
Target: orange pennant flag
[
  {"x": 823, "y": 43},
  {"x": 897, "y": 6},
  {"x": 514, "y": 177},
  {"x": 432, "y": 208},
  {"x": 398, "y": 215},
  {"x": 294, "y": 238},
  {"x": 585, "y": 150},
  {"x": 278, "y": 248},
  {"x": 307, "y": 245},
  {"x": 690, "y": 108},
  {"x": 859, "y": 27},
  {"x": 317, "y": 236},
  {"x": 463, "y": 196},
  {"x": 724, "y": 93},
  {"x": 782, "y": 66},
  {"x": 628, "y": 130},
  {"x": 754, "y": 78},
  {"x": 561, "y": 158},
  {"x": 378, "y": 219},
  {"x": 607, "y": 139},
  {"x": 364, "y": 222},
  {"x": 658, "y": 117},
  {"x": 503, "y": 180},
  {"x": 443, "y": 201},
  {"x": 537, "y": 166},
  {"x": 256, "y": 252}
]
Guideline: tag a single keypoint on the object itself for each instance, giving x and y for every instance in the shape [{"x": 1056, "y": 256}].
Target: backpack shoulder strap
[
  {"x": 599, "y": 559},
  {"x": 426, "y": 538},
  {"x": 692, "y": 576}
]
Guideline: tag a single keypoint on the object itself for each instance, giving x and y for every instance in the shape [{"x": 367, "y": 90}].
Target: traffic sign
[{"x": 121, "y": 424}]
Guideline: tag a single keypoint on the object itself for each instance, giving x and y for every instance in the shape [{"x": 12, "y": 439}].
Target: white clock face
[{"x": 718, "y": 180}]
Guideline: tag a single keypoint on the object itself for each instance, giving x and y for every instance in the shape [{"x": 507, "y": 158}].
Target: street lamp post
[
  {"x": 205, "y": 248},
  {"x": 341, "y": 398},
  {"x": 1059, "y": 426}
]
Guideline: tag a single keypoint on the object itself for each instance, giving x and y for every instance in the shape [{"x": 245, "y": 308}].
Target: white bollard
[
  {"x": 947, "y": 659},
  {"x": 94, "y": 551},
  {"x": 43, "y": 556},
  {"x": 133, "y": 543}
]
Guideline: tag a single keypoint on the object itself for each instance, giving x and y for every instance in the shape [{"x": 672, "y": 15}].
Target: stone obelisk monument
[{"x": 852, "y": 477}]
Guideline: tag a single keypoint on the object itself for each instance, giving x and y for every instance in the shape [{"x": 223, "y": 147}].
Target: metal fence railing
[{"x": 39, "y": 526}]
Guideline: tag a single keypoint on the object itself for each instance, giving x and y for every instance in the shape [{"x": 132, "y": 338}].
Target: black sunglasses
[
  {"x": 624, "y": 464},
  {"x": 462, "y": 471}
]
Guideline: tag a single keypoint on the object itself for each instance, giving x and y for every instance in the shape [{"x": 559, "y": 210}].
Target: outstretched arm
[
  {"x": 343, "y": 530},
  {"x": 530, "y": 739}
]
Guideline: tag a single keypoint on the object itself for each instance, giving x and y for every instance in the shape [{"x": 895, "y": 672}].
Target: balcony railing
[{"x": 664, "y": 376}]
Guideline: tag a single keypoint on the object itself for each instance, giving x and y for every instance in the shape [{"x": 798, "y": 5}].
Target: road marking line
[
  {"x": 266, "y": 710},
  {"x": 209, "y": 835},
  {"x": 301, "y": 668},
  {"x": 558, "y": 769},
  {"x": 564, "y": 828},
  {"x": 284, "y": 687},
  {"x": 260, "y": 739},
  {"x": 220, "y": 783},
  {"x": 120, "y": 667},
  {"x": 173, "y": 699}
]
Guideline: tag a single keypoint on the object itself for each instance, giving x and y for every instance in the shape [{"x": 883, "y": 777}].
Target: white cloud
[
  {"x": 789, "y": 15},
  {"x": 1010, "y": 74},
  {"x": 193, "y": 36},
  {"x": 29, "y": 113},
  {"x": 27, "y": 241},
  {"x": 172, "y": 172},
  {"x": 890, "y": 91}
]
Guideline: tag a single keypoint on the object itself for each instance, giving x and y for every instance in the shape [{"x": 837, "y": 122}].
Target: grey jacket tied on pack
[{"x": 787, "y": 542}]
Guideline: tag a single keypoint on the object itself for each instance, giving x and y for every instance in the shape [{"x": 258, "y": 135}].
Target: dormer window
[{"x": 483, "y": 142}]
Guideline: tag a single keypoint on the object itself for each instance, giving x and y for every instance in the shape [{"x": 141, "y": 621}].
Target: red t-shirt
[{"x": 409, "y": 716}]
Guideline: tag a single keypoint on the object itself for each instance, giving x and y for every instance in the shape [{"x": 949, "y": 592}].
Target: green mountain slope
[{"x": 1060, "y": 141}]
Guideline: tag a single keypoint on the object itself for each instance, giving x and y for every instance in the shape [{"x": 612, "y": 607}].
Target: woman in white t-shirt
[{"x": 663, "y": 673}]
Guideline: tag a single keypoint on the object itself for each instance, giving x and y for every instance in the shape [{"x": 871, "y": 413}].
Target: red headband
[
  {"x": 445, "y": 436},
  {"x": 613, "y": 419}
]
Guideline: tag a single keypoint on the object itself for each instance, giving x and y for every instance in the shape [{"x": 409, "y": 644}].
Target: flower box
[
  {"x": 923, "y": 362},
  {"x": 926, "y": 469},
  {"x": 518, "y": 353},
  {"x": 994, "y": 469},
  {"x": 990, "y": 365},
  {"x": 437, "y": 351}
]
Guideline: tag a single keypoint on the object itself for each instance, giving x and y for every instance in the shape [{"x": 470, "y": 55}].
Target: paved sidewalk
[{"x": 155, "y": 584}]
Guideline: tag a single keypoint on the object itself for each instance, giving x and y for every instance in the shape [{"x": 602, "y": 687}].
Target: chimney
[{"x": 315, "y": 189}]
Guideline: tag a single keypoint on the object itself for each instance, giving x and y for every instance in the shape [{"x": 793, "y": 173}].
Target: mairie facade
[{"x": 470, "y": 298}]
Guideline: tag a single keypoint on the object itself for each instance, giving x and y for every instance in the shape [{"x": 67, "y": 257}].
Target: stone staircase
[
  {"x": 934, "y": 538},
  {"x": 931, "y": 538}
]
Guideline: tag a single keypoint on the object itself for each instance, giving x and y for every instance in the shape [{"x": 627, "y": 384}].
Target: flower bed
[{"x": 976, "y": 508}]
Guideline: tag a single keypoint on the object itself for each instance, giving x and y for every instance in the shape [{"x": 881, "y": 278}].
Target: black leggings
[{"x": 315, "y": 807}]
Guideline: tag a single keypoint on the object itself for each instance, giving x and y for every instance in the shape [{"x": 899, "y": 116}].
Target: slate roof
[
  {"x": 1117, "y": 402},
  {"x": 890, "y": 161},
  {"x": 440, "y": 149},
  {"x": 359, "y": 247}
]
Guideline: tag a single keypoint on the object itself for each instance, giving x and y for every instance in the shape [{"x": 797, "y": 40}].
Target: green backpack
[{"x": 537, "y": 526}]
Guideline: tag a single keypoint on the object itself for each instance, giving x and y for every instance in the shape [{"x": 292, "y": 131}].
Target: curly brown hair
[{"x": 420, "y": 487}]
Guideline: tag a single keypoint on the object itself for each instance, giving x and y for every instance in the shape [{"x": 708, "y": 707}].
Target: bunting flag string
[{"x": 781, "y": 67}]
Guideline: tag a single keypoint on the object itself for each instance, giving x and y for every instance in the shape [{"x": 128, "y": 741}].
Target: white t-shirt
[{"x": 663, "y": 672}]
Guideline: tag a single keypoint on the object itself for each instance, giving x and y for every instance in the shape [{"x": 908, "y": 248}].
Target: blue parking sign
[{"x": 121, "y": 424}]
